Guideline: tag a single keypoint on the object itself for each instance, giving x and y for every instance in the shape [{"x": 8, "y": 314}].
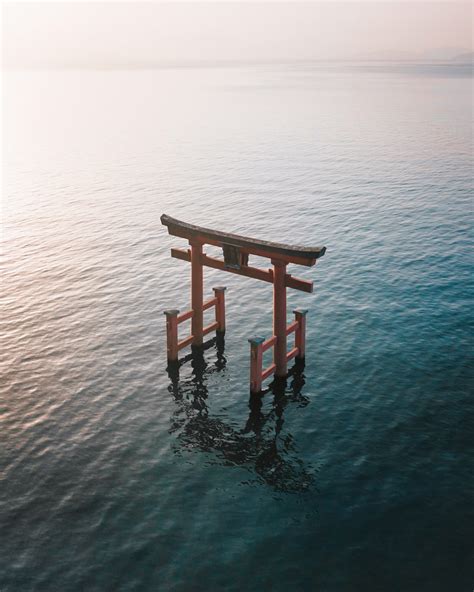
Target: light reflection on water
[{"x": 116, "y": 475}]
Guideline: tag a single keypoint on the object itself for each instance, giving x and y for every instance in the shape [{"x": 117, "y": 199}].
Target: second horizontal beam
[{"x": 265, "y": 275}]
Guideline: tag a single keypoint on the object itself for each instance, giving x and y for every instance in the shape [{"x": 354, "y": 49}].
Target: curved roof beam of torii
[{"x": 288, "y": 253}]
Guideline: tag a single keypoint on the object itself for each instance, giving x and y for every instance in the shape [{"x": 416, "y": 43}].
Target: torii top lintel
[{"x": 248, "y": 246}]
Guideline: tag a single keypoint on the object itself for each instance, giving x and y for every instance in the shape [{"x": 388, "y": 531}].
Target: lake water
[{"x": 358, "y": 476}]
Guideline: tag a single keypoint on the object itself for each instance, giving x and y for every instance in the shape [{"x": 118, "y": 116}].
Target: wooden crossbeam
[
  {"x": 185, "y": 342},
  {"x": 265, "y": 275},
  {"x": 292, "y": 327},
  {"x": 268, "y": 372},
  {"x": 209, "y": 303},
  {"x": 270, "y": 342},
  {"x": 292, "y": 354},
  {"x": 210, "y": 328},
  {"x": 246, "y": 245},
  {"x": 185, "y": 316}
]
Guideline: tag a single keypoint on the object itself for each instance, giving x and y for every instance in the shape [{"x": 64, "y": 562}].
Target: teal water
[{"x": 115, "y": 475}]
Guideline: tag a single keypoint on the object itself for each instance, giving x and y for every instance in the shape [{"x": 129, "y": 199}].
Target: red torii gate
[{"x": 236, "y": 250}]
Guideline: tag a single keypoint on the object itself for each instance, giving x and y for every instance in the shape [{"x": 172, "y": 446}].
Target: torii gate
[{"x": 236, "y": 250}]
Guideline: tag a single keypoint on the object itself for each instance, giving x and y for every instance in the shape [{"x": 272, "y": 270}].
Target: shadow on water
[{"x": 260, "y": 446}]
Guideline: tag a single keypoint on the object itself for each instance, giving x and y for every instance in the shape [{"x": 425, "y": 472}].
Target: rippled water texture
[{"x": 118, "y": 476}]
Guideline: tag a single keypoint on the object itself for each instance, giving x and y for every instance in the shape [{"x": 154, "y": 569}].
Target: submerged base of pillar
[
  {"x": 220, "y": 339},
  {"x": 279, "y": 383},
  {"x": 173, "y": 368}
]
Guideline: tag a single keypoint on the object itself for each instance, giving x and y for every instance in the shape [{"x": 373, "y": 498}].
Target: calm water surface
[{"x": 116, "y": 476}]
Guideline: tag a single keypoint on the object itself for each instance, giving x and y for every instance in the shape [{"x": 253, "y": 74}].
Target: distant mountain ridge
[
  {"x": 464, "y": 58},
  {"x": 440, "y": 54}
]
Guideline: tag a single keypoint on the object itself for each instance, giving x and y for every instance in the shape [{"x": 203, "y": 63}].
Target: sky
[{"x": 134, "y": 34}]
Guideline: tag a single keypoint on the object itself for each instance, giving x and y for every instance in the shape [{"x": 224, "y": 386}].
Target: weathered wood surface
[{"x": 290, "y": 253}]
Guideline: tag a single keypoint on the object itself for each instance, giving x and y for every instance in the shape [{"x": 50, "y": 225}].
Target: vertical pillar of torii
[
  {"x": 279, "y": 317},
  {"x": 196, "y": 293}
]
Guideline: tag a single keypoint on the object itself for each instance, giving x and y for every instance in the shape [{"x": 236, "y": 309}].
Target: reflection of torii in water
[{"x": 211, "y": 434}]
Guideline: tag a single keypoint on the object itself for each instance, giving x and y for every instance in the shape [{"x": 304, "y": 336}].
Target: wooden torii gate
[{"x": 236, "y": 250}]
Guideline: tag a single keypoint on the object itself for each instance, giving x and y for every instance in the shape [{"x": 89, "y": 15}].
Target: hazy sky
[{"x": 126, "y": 33}]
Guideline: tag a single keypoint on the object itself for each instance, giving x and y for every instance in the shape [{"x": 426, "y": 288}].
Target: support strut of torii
[{"x": 236, "y": 251}]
